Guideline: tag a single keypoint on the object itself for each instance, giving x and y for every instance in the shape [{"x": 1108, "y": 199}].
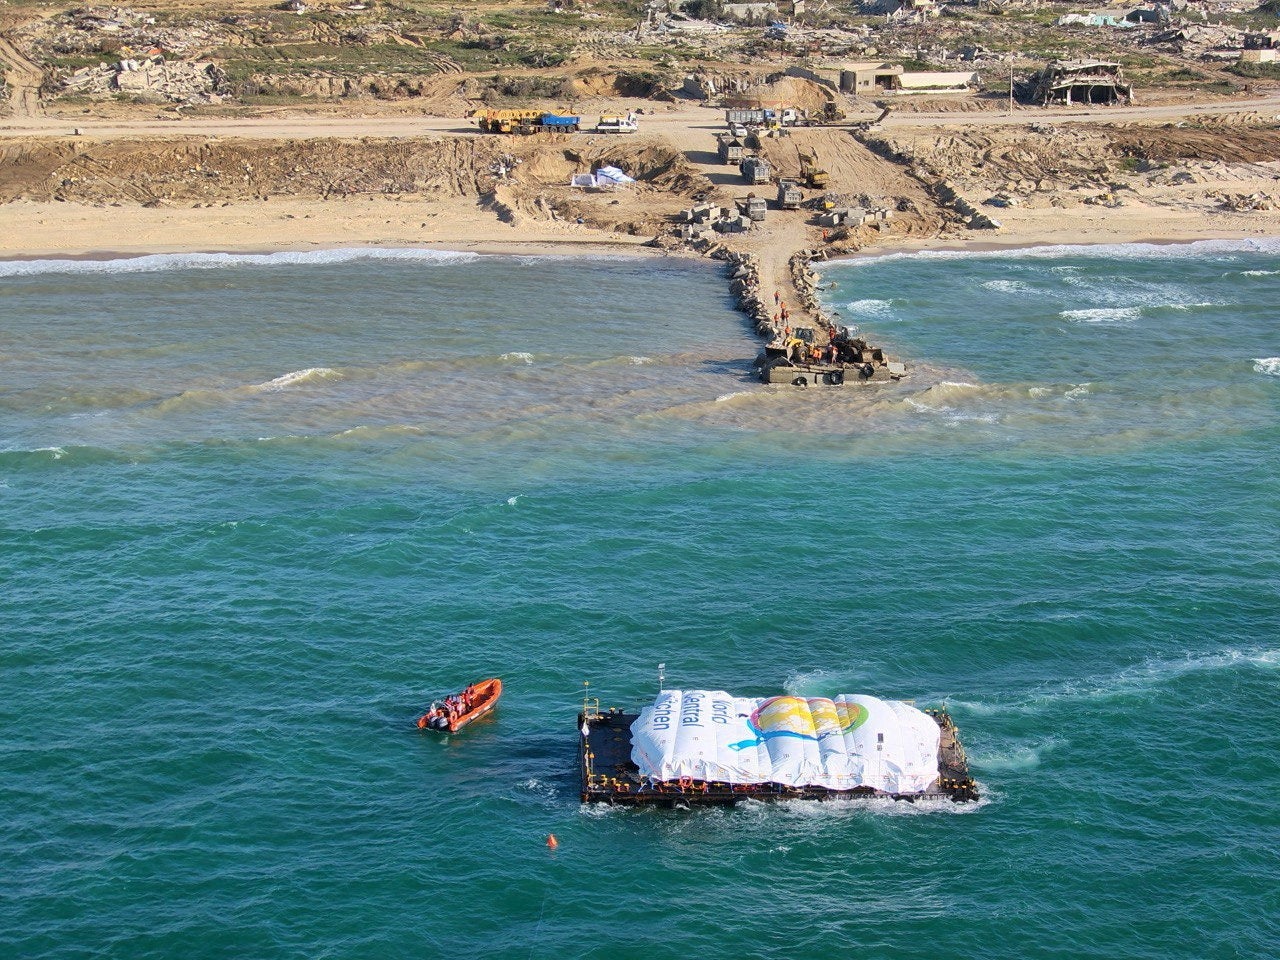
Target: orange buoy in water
[{"x": 552, "y": 842}]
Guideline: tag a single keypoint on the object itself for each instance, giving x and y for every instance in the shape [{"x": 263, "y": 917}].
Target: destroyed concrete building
[
  {"x": 1070, "y": 82},
  {"x": 902, "y": 8},
  {"x": 153, "y": 79},
  {"x": 749, "y": 12},
  {"x": 1261, "y": 47}
]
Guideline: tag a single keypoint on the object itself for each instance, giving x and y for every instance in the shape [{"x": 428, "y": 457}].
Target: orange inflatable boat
[{"x": 459, "y": 709}]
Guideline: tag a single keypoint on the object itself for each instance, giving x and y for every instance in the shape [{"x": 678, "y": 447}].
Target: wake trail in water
[{"x": 1137, "y": 680}]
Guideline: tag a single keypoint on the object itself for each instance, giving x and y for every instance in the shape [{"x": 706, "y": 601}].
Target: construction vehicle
[
  {"x": 831, "y": 113},
  {"x": 866, "y": 125},
  {"x": 753, "y": 208},
  {"x": 729, "y": 148},
  {"x": 764, "y": 117},
  {"x": 814, "y": 176},
  {"x": 755, "y": 169},
  {"x": 617, "y": 124},
  {"x": 524, "y": 121},
  {"x": 789, "y": 195}
]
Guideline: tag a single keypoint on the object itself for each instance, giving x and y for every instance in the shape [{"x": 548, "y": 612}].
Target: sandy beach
[{"x": 69, "y": 229}]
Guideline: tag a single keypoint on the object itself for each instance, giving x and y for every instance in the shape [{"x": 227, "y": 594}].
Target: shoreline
[
  {"x": 616, "y": 249},
  {"x": 909, "y": 248}
]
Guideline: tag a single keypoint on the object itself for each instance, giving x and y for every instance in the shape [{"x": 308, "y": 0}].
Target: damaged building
[{"x": 1070, "y": 82}]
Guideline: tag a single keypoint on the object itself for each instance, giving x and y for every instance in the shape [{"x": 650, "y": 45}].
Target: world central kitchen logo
[{"x": 802, "y": 719}]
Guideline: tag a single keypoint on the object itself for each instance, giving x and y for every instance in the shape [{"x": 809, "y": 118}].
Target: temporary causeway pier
[{"x": 608, "y": 774}]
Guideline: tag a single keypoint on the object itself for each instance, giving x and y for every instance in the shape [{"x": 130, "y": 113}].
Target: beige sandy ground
[
  {"x": 29, "y": 229},
  {"x": 40, "y": 229}
]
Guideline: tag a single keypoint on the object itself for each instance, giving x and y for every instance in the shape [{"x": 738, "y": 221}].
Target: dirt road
[
  {"x": 23, "y": 79},
  {"x": 675, "y": 123}
]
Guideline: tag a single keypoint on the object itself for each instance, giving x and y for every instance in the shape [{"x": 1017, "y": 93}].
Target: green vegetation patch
[{"x": 1256, "y": 71}]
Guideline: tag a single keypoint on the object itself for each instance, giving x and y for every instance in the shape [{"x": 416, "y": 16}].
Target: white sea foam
[
  {"x": 1015, "y": 758},
  {"x": 1107, "y": 251},
  {"x": 155, "y": 263},
  {"x": 1102, "y": 315},
  {"x": 1136, "y": 680},
  {"x": 1008, "y": 286},
  {"x": 640, "y": 361},
  {"x": 803, "y": 683},
  {"x": 1268, "y": 365},
  {"x": 517, "y": 356},
  {"x": 55, "y": 453},
  {"x": 1190, "y": 306},
  {"x": 512, "y": 501},
  {"x": 301, "y": 377},
  {"x": 726, "y": 397},
  {"x": 1038, "y": 392},
  {"x": 1078, "y": 391},
  {"x": 953, "y": 401},
  {"x": 839, "y": 809},
  {"x": 1259, "y": 273},
  {"x": 879, "y": 309}
]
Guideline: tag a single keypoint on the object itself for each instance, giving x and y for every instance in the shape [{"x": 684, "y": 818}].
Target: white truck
[{"x": 618, "y": 124}]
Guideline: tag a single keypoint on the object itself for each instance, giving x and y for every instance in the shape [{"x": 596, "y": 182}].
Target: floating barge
[{"x": 609, "y": 772}]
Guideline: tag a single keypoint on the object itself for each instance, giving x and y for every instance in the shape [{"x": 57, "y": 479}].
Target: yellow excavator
[{"x": 814, "y": 176}]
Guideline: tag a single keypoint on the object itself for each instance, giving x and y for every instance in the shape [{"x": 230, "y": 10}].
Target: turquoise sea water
[{"x": 256, "y": 512}]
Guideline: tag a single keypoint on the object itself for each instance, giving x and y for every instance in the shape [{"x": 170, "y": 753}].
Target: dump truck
[
  {"x": 753, "y": 208},
  {"x": 789, "y": 195},
  {"x": 755, "y": 170},
  {"x": 745, "y": 115},
  {"x": 761, "y": 116},
  {"x": 729, "y": 148}
]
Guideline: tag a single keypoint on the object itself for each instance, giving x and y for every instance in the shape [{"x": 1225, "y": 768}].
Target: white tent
[{"x": 842, "y": 743}]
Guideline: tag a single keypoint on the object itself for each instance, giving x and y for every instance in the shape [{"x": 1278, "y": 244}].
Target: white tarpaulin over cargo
[{"x": 847, "y": 742}]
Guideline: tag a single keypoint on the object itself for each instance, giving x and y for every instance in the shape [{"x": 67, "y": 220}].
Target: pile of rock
[
  {"x": 1245, "y": 202},
  {"x": 152, "y": 79},
  {"x": 949, "y": 195}
]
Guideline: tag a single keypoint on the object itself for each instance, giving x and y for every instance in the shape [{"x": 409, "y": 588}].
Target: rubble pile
[
  {"x": 1245, "y": 203},
  {"x": 122, "y": 30},
  {"x": 153, "y": 79}
]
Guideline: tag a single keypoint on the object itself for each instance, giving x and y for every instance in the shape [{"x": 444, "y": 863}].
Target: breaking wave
[
  {"x": 518, "y": 356},
  {"x": 1268, "y": 365},
  {"x": 1107, "y": 251},
  {"x": 301, "y": 377},
  {"x": 155, "y": 263},
  {"x": 1008, "y": 286},
  {"x": 1102, "y": 315},
  {"x": 879, "y": 309}
]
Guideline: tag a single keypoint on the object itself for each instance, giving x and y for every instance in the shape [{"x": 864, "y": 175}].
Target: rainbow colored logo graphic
[{"x": 802, "y": 719}]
